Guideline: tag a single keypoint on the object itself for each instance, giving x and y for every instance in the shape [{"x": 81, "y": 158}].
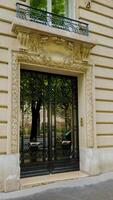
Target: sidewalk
[{"x": 61, "y": 187}]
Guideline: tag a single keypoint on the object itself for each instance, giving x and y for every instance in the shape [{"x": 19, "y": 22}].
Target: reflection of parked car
[
  {"x": 66, "y": 140},
  {"x": 34, "y": 143},
  {"x": 34, "y": 146}
]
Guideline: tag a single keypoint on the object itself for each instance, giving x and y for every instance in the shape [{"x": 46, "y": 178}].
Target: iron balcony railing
[{"x": 51, "y": 19}]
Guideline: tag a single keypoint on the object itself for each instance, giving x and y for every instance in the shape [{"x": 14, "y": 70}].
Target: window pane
[
  {"x": 40, "y": 4},
  {"x": 59, "y": 7}
]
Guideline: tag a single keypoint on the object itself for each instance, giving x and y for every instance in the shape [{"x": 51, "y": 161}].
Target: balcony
[
  {"x": 51, "y": 20},
  {"x": 54, "y": 37}
]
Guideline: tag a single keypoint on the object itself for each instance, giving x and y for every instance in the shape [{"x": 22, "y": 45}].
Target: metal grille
[{"x": 50, "y": 19}]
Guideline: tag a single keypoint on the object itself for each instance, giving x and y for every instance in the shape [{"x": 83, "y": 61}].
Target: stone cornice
[
  {"x": 36, "y": 38},
  {"x": 53, "y": 49}
]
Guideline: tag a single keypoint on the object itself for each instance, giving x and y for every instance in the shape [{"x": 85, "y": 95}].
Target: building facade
[{"x": 52, "y": 61}]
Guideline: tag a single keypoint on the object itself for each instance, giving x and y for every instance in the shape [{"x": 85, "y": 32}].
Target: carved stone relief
[
  {"x": 42, "y": 44},
  {"x": 15, "y": 105},
  {"x": 89, "y": 107},
  {"x": 60, "y": 54}
]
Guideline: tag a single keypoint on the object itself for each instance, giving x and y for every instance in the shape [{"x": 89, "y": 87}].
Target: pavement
[{"x": 88, "y": 188}]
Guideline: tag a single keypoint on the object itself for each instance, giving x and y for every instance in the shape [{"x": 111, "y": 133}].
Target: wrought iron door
[{"x": 48, "y": 125}]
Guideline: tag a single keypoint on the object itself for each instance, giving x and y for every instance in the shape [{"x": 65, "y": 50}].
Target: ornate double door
[{"x": 48, "y": 123}]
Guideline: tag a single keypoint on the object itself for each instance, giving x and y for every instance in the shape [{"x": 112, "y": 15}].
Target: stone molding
[
  {"x": 53, "y": 53},
  {"x": 89, "y": 107},
  {"x": 15, "y": 105},
  {"x": 77, "y": 51}
]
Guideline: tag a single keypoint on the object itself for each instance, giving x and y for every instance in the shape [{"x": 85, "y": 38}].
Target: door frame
[{"x": 86, "y": 106}]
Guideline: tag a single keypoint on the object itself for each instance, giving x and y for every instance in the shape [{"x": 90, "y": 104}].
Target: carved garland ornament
[
  {"x": 15, "y": 105},
  {"x": 89, "y": 107},
  {"x": 50, "y": 52}
]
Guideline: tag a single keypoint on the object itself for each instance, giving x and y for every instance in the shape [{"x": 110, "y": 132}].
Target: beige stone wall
[
  {"x": 7, "y": 42},
  {"x": 100, "y": 19},
  {"x": 9, "y": 163}
]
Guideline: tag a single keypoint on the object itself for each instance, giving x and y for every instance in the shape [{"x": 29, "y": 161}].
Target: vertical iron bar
[
  {"x": 50, "y": 103},
  {"x": 76, "y": 126},
  {"x": 55, "y": 156},
  {"x": 22, "y": 137},
  {"x": 49, "y": 118},
  {"x": 74, "y": 116},
  {"x": 44, "y": 135}
]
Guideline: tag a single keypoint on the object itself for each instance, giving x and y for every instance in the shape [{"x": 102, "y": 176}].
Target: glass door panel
[{"x": 48, "y": 125}]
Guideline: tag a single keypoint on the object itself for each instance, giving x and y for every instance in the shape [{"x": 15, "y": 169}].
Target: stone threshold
[{"x": 51, "y": 178}]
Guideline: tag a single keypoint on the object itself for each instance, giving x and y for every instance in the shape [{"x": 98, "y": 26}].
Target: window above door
[
  {"x": 58, "y": 14},
  {"x": 47, "y": 17},
  {"x": 65, "y": 8}
]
